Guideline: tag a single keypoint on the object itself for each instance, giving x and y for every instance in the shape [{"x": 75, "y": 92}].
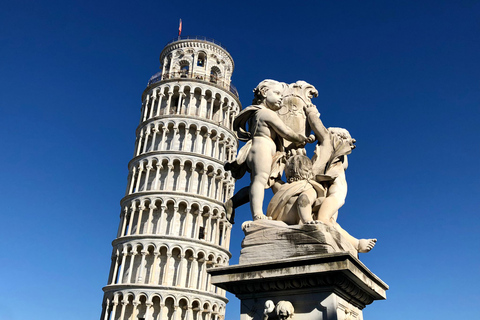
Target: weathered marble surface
[{"x": 270, "y": 240}]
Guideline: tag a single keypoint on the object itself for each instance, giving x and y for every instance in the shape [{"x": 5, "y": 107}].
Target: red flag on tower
[{"x": 180, "y": 28}]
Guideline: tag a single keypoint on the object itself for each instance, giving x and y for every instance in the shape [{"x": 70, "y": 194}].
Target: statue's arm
[
  {"x": 275, "y": 123},
  {"x": 278, "y": 183},
  {"x": 313, "y": 117}
]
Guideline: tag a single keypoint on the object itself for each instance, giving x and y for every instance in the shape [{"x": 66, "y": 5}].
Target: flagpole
[{"x": 179, "y": 29}]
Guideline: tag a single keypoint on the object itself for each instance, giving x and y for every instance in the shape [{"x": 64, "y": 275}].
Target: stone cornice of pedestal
[
  {"x": 185, "y": 242},
  {"x": 341, "y": 272},
  {"x": 164, "y": 289},
  {"x": 172, "y": 118},
  {"x": 178, "y": 195},
  {"x": 178, "y": 80},
  {"x": 170, "y": 153}
]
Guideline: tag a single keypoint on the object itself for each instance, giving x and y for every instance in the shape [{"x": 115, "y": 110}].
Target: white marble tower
[{"x": 172, "y": 222}]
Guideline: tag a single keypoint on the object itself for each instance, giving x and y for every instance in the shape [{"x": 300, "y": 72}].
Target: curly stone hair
[
  {"x": 341, "y": 132},
  {"x": 299, "y": 167},
  {"x": 262, "y": 88}
]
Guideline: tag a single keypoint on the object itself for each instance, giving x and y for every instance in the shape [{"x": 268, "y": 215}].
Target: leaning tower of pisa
[{"x": 172, "y": 221}]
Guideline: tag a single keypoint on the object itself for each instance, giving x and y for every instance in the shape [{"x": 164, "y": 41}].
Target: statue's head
[
  {"x": 299, "y": 167},
  {"x": 284, "y": 310},
  {"x": 343, "y": 134},
  {"x": 269, "y": 93}
]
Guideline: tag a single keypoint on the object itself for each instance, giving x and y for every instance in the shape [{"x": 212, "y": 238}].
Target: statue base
[
  {"x": 331, "y": 286},
  {"x": 275, "y": 240}
]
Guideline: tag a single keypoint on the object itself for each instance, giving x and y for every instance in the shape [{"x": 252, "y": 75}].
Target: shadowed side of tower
[{"x": 172, "y": 222}]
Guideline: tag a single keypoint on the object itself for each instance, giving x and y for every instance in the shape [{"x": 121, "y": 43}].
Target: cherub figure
[
  {"x": 260, "y": 126},
  {"x": 293, "y": 201},
  {"x": 329, "y": 165}
]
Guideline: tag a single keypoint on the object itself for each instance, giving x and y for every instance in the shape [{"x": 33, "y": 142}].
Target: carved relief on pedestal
[{"x": 283, "y": 310}]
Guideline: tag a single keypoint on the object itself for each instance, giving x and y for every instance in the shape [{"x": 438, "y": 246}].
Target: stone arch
[
  {"x": 196, "y": 308},
  {"x": 176, "y": 163},
  {"x": 169, "y": 216},
  {"x": 210, "y": 183},
  {"x": 182, "y": 213},
  {"x": 184, "y": 66},
  {"x": 191, "y": 137},
  {"x": 163, "y": 97},
  {"x": 201, "y": 59},
  {"x": 155, "y": 208},
  {"x": 188, "y": 168},
  {"x": 129, "y": 297},
  {"x": 167, "y": 63},
  {"x": 142, "y": 299},
  {"x": 149, "y": 262},
  {"x": 175, "y": 266},
  {"x": 182, "y": 139},
  {"x": 217, "y": 108},
  {"x": 134, "y": 264},
  {"x": 174, "y": 100},
  {"x": 214, "y": 143},
  {"x": 195, "y": 214},
  {"x": 215, "y": 74},
  {"x": 156, "y": 301},
  {"x": 163, "y": 252},
  {"x": 217, "y": 193},
  {"x": 169, "y": 309},
  {"x": 197, "y": 177},
  {"x": 164, "y": 172},
  {"x": 201, "y": 269},
  {"x": 196, "y": 103},
  {"x": 203, "y": 139},
  {"x": 156, "y": 104},
  {"x": 189, "y": 260},
  {"x": 182, "y": 308},
  {"x": 152, "y": 137}
]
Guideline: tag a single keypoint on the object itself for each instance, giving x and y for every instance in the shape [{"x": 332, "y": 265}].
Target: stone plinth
[
  {"x": 332, "y": 286},
  {"x": 282, "y": 241}
]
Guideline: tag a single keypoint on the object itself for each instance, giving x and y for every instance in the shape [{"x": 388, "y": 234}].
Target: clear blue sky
[{"x": 402, "y": 76}]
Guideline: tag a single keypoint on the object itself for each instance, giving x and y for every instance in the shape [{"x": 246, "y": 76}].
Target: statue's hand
[
  {"x": 302, "y": 141},
  {"x": 311, "y": 138},
  {"x": 311, "y": 108},
  {"x": 352, "y": 143}
]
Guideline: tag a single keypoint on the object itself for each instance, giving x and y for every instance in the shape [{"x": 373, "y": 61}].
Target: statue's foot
[
  {"x": 246, "y": 225},
  {"x": 365, "y": 245},
  {"x": 261, "y": 217},
  {"x": 230, "y": 211},
  {"x": 312, "y": 222}
]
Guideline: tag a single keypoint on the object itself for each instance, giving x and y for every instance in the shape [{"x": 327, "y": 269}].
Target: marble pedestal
[{"x": 331, "y": 286}]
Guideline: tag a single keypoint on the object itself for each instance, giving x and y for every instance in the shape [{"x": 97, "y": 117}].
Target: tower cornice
[{"x": 179, "y": 80}]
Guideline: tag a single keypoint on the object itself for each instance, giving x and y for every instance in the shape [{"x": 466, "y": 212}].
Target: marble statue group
[{"x": 275, "y": 129}]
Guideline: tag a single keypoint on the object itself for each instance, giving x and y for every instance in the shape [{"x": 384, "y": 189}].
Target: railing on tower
[
  {"x": 193, "y": 75},
  {"x": 196, "y": 38}
]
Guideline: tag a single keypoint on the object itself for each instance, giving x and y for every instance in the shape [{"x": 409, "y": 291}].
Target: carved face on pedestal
[
  {"x": 283, "y": 315},
  {"x": 273, "y": 97},
  {"x": 284, "y": 310}
]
